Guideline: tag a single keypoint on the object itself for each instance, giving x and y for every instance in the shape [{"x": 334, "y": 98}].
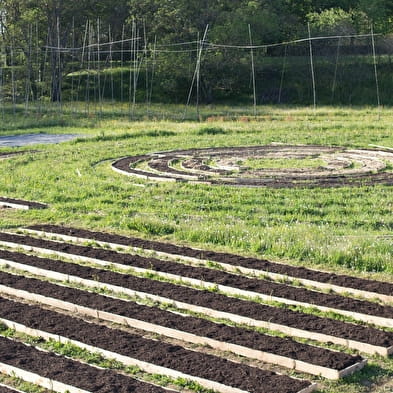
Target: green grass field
[{"x": 339, "y": 229}]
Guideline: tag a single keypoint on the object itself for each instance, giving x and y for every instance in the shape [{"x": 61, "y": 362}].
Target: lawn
[{"x": 346, "y": 229}]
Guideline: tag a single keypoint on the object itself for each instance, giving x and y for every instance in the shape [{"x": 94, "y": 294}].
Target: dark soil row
[
  {"x": 125, "y": 163},
  {"x": 230, "y": 259},
  {"x": 14, "y": 153},
  {"x": 140, "y": 348},
  {"x": 162, "y": 165},
  {"x": 202, "y": 327},
  {"x": 364, "y": 180},
  {"x": 33, "y": 205},
  {"x": 3, "y": 389},
  {"x": 265, "y": 287},
  {"x": 70, "y": 372},
  {"x": 197, "y": 163},
  {"x": 241, "y": 376}
]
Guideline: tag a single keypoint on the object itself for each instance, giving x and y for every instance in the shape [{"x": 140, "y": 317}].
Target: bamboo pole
[
  {"x": 87, "y": 92},
  {"x": 72, "y": 68},
  {"x": 336, "y": 69},
  {"x": 253, "y": 71},
  {"x": 111, "y": 63},
  {"x": 59, "y": 82},
  {"x": 131, "y": 69},
  {"x": 196, "y": 75},
  {"x": 284, "y": 65},
  {"x": 28, "y": 69},
  {"x": 13, "y": 87},
  {"x": 375, "y": 69},
  {"x": 136, "y": 69},
  {"x": 82, "y": 59},
  {"x": 121, "y": 65},
  {"x": 312, "y": 68},
  {"x": 99, "y": 65},
  {"x": 42, "y": 79},
  {"x": 153, "y": 69}
]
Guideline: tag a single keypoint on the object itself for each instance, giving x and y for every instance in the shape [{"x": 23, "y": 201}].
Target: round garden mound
[{"x": 274, "y": 165}]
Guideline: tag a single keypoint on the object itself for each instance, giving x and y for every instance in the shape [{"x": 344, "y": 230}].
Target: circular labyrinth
[{"x": 265, "y": 166}]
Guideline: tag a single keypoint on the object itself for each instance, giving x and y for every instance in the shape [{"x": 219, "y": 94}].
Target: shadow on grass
[
  {"x": 211, "y": 131},
  {"x": 361, "y": 381},
  {"x": 120, "y": 137}
]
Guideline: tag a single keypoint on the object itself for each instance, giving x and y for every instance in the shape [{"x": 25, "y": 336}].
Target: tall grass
[{"x": 348, "y": 229}]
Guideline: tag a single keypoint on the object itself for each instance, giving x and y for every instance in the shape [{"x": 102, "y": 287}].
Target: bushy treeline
[
  {"x": 282, "y": 74},
  {"x": 169, "y": 20}
]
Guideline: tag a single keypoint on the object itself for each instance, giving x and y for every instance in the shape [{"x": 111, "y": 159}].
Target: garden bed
[
  {"x": 266, "y": 290},
  {"x": 21, "y": 204},
  {"x": 61, "y": 374},
  {"x": 299, "y": 356},
  {"x": 366, "y": 339},
  {"x": 230, "y": 262},
  {"x": 343, "y": 167},
  {"x": 151, "y": 355}
]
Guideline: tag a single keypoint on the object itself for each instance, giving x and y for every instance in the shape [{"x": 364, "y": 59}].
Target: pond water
[{"x": 33, "y": 139}]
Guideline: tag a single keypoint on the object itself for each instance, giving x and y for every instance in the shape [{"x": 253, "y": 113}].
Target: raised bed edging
[
  {"x": 8, "y": 389},
  {"x": 21, "y": 204},
  {"x": 255, "y": 382},
  {"x": 368, "y": 312},
  {"x": 36, "y": 379},
  {"x": 97, "y": 305},
  {"x": 62, "y": 374},
  {"x": 36, "y": 316},
  {"x": 230, "y": 262},
  {"x": 161, "y": 170},
  {"x": 207, "y": 364},
  {"x": 150, "y": 368}
]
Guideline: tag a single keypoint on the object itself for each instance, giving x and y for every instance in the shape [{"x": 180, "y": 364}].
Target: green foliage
[
  {"x": 225, "y": 72},
  {"x": 211, "y": 131},
  {"x": 335, "y": 21},
  {"x": 150, "y": 226},
  {"x": 345, "y": 228}
]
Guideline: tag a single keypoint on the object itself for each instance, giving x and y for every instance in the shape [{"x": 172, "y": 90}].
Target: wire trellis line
[{"x": 97, "y": 65}]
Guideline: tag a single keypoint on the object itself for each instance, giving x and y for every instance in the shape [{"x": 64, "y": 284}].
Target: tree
[{"x": 56, "y": 23}]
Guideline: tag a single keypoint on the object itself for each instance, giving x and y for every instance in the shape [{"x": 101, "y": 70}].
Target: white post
[
  {"x": 335, "y": 69},
  {"x": 312, "y": 67},
  {"x": 253, "y": 71},
  {"x": 284, "y": 64},
  {"x": 196, "y": 73},
  {"x": 375, "y": 67}
]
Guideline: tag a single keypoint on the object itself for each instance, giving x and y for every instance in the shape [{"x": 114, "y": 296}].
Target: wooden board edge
[
  {"x": 37, "y": 379},
  {"x": 373, "y": 319},
  {"x": 235, "y": 269}
]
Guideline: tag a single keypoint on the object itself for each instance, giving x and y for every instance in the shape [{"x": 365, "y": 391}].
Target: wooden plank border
[
  {"x": 126, "y": 360},
  {"x": 226, "y": 267},
  {"x": 372, "y": 319},
  {"x": 189, "y": 337},
  {"x": 143, "y": 176},
  {"x": 286, "y": 362},
  {"x": 36, "y": 379},
  {"x": 14, "y": 205}
]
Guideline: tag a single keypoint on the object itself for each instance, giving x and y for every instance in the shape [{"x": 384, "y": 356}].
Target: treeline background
[{"x": 212, "y": 51}]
